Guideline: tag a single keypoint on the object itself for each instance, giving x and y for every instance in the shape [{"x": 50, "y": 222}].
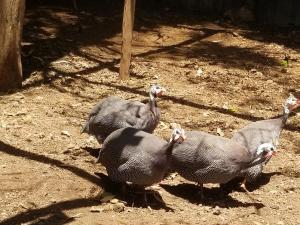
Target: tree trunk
[
  {"x": 11, "y": 23},
  {"x": 127, "y": 28}
]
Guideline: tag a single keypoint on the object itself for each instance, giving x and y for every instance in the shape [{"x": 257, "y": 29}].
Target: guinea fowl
[
  {"x": 114, "y": 113},
  {"x": 138, "y": 157},
  {"x": 205, "y": 158},
  {"x": 263, "y": 131}
]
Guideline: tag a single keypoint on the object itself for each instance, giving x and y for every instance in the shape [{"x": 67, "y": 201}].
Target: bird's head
[
  {"x": 156, "y": 90},
  {"x": 267, "y": 150},
  {"x": 291, "y": 104},
  {"x": 178, "y": 135}
]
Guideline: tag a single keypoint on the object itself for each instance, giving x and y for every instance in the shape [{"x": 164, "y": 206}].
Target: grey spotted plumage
[
  {"x": 114, "y": 113},
  {"x": 132, "y": 155},
  {"x": 205, "y": 158},
  {"x": 264, "y": 131}
]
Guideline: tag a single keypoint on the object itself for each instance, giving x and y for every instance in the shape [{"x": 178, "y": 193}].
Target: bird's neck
[
  {"x": 152, "y": 103},
  {"x": 169, "y": 148},
  {"x": 286, "y": 114},
  {"x": 258, "y": 159}
]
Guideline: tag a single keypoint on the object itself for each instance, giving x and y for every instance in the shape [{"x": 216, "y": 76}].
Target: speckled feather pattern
[
  {"x": 205, "y": 158},
  {"x": 255, "y": 134},
  {"x": 135, "y": 156},
  {"x": 114, "y": 113}
]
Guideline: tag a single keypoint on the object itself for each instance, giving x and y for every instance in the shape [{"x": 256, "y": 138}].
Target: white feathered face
[
  {"x": 178, "y": 135},
  {"x": 292, "y": 102},
  {"x": 266, "y": 149},
  {"x": 157, "y": 90}
]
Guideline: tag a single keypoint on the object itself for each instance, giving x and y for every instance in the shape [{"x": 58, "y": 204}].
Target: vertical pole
[{"x": 127, "y": 28}]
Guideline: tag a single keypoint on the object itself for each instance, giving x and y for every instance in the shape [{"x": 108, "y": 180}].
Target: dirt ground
[{"x": 217, "y": 76}]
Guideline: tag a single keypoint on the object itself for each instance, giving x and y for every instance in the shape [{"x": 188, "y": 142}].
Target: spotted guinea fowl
[
  {"x": 132, "y": 155},
  {"x": 114, "y": 113},
  {"x": 205, "y": 158},
  {"x": 263, "y": 131}
]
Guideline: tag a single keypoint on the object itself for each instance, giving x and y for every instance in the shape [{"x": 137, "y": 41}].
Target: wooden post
[
  {"x": 127, "y": 28},
  {"x": 11, "y": 23}
]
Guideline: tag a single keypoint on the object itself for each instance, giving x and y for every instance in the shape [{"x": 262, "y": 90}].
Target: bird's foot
[{"x": 243, "y": 185}]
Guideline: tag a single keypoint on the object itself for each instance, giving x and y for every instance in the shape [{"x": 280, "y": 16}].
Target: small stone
[
  {"x": 199, "y": 72},
  {"x": 65, "y": 133},
  {"x": 274, "y": 207},
  {"x": 155, "y": 187},
  {"x": 53, "y": 200},
  {"x": 52, "y": 73},
  {"x": 96, "y": 209},
  {"x": 107, "y": 208},
  {"x": 95, "y": 192},
  {"x": 216, "y": 210},
  {"x": 225, "y": 106},
  {"x": 20, "y": 113},
  {"x": 206, "y": 114},
  {"x": 119, "y": 207},
  {"x": 220, "y": 132},
  {"x": 51, "y": 136},
  {"x": 20, "y": 96},
  {"x": 235, "y": 34},
  {"x": 114, "y": 201},
  {"x": 280, "y": 223},
  {"x": 41, "y": 135},
  {"x": 77, "y": 215}
]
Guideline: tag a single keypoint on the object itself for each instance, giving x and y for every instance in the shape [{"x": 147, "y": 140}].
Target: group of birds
[{"x": 132, "y": 154}]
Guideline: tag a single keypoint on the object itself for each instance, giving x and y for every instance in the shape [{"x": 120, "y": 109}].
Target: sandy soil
[{"x": 216, "y": 76}]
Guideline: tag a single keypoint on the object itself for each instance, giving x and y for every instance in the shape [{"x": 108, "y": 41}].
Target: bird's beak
[
  {"x": 159, "y": 94},
  {"x": 296, "y": 105},
  {"x": 181, "y": 139},
  {"x": 269, "y": 154}
]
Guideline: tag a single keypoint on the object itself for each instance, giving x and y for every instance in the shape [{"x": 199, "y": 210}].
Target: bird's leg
[
  {"x": 200, "y": 192},
  {"x": 243, "y": 185},
  {"x": 145, "y": 197}
]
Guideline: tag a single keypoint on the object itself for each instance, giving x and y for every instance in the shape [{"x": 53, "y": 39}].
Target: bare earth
[{"x": 216, "y": 76}]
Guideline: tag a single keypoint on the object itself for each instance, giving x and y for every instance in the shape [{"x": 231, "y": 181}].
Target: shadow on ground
[
  {"x": 53, "y": 213},
  {"x": 212, "y": 196},
  {"x": 53, "y": 23},
  {"x": 262, "y": 180}
]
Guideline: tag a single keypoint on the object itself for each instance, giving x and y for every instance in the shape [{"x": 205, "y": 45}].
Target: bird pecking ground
[{"x": 218, "y": 77}]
